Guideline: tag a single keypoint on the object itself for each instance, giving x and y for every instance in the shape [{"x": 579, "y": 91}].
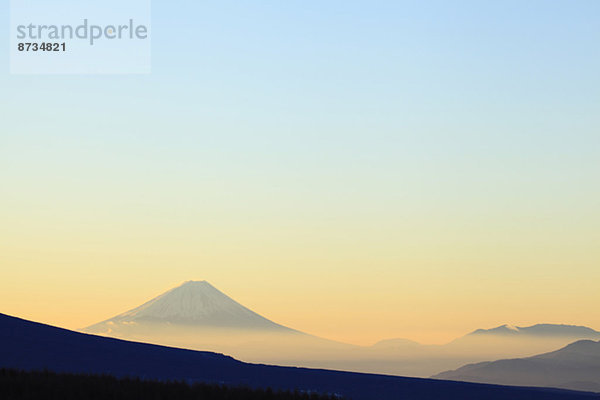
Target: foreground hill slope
[
  {"x": 576, "y": 366},
  {"x": 27, "y": 345}
]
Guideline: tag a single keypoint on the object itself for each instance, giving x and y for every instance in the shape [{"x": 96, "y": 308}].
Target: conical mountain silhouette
[{"x": 193, "y": 304}]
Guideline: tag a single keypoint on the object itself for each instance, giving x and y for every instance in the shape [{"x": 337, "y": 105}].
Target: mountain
[
  {"x": 27, "y": 345},
  {"x": 509, "y": 341},
  {"x": 401, "y": 356},
  {"x": 196, "y": 315},
  {"x": 541, "y": 330},
  {"x": 576, "y": 366},
  {"x": 193, "y": 304}
]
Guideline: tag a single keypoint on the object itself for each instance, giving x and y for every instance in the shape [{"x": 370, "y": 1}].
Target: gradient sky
[{"x": 356, "y": 170}]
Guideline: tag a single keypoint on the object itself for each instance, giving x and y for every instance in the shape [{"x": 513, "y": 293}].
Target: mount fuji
[
  {"x": 195, "y": 305},
  {"x": 196, "y": 315}
]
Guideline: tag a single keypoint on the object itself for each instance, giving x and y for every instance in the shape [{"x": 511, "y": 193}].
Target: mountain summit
[{"x": 194, "y": 304}]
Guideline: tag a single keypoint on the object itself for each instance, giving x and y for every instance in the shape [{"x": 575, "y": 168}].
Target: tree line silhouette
[{"x": 20, "y": 385}]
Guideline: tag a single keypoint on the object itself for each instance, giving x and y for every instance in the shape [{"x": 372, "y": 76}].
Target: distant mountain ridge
[
  {"x": 540, "y": 330},
  {"x": 576, "y": 366},
  {"x": 543, "y": 330}
]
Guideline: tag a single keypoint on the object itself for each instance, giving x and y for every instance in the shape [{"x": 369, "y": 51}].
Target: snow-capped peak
[
  {"x": 195, "y": 303},
  {"x": 511, "y": 327}
]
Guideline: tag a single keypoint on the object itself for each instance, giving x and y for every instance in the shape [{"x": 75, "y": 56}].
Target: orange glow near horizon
[{"x": 357, "y": 299}]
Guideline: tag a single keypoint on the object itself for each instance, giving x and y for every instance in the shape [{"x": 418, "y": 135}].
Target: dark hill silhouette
[
  {"x": 28, "y": 345},
  {"x": 576, "y": 366}
]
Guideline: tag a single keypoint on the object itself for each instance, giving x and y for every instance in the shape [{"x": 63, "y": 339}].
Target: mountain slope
[
  {"x": 195, "y": 315},
  {"x": 508, "y": 341},
  {"x": 401, "y": 356},
  {"x": 576, "y": 366},
  {"x": 194, "y": 304},
  {"x": 27, "y": 345}
]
